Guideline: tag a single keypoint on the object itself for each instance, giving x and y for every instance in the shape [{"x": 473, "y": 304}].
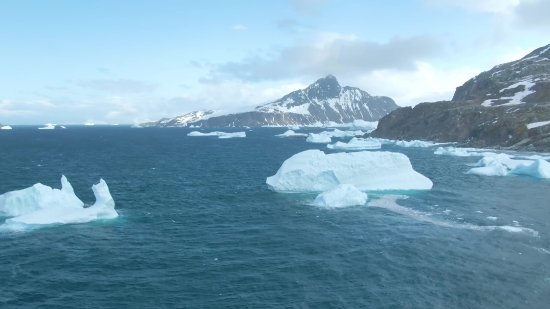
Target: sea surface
[{"x": 198, "y": 228}]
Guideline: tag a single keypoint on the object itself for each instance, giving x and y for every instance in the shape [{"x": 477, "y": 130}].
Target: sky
[{"x": 130, "y": 61}]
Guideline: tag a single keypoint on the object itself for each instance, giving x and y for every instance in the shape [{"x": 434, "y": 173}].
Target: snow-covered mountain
[{"x": 323, "y": 101}]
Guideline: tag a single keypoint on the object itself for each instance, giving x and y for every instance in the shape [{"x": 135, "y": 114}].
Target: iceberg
[
  {"x": 39, "y": 196},
  {"x": 538, "y": 169},
  {"x": 453, "y": 152},
  {"x": 294, "y": 128},
  {"x": 315, "y": 171},
  {"x": 48, "y": 126},
  {"x": 489, "y": 166},
  {"x": 341, "y": 196},
  {"x": 218, "y": 134},
  {"x": 5, "y": 128},
  {"x": 341, "y": 134},
  {"x": 103, "y": 208},
  {"x": 356, "y": 144},
  {"x": 134, "y": 126},
  {"x": 318, "y": 138},
  {"x": 291, "y": 133}
]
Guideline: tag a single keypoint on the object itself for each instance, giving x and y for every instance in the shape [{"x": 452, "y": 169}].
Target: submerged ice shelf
[
  {"x": 315, "y": 171},
  {"x": 46, "y": 206}
]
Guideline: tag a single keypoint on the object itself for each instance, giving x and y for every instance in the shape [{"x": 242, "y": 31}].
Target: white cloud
[
  {"x": 239, "y": 27},
  {"x": 491, "y": 6}
]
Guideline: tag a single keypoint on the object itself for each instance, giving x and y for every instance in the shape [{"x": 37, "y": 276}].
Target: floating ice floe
[
  {"x": 341, "y": 196},
  {"x": 489, "y": 166},
  {"x": 451, "y": 151},
  {"x": 47, "y": 127},
  {"x": 502, "y": 165},
  {"x": 341, "y": 134},
  {"x": 218, "y": 134},
  {"x": 415, "y": 144},
  {"x": 318, "y": 138},
  {"x": 315, "y": 171},
  {"x": 356, "y": 144},
  {"x": 68, "y": 210},
  {"x": 292, "y": 134},
  {"x": 5, "y": 128}
]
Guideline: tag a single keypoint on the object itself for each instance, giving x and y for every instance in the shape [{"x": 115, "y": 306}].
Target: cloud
[
  {"x": 308, "y": 7},
  {"x": 12, "y": 108},
  {"x": 239, "y": 27},
  {"x": 120, "y": 86},
  {"x": 330, "y": 53},
  {"x": 533, "y": 14},
  {"x": 491, "y": 6},
  {"x": 291, "y": 25}
]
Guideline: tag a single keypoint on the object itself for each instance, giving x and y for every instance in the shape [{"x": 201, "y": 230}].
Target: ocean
[{"x": 199, "y": 228}]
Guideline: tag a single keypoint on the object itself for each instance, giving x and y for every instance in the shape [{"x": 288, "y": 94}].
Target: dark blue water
[{"x": 198, "y": 228}]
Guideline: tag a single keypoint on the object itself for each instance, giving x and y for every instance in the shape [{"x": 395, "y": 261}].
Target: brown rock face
[{"x": 491, "y": 110}]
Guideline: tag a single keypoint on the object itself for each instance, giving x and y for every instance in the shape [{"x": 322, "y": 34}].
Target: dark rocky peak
[
  {"x": 543, "y": 52},
  {"x": 324, "y": 88}
]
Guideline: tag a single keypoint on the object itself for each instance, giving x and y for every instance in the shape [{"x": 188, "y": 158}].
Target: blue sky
[{"x": 69, "y": 62}]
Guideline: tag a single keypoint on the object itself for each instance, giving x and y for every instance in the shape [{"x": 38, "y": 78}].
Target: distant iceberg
[
  {"x": 218, "y": 134},
  {"x": 315, "y": 171},
  {"x": 294, "y": 128},
  {"x": 291, "y": 133},
  {"x": 47, "y": 127},
  {"x": 502, "y": 165},
  {"x": 136, "y": 126},
  {"x": 356, "y": 144},
  {"x": 415, "y": 144},
  {"x": 341, "y": 134},
  {"x": 5, "y": 128},
  {"x": 341, "y": 196},
  {"x": 35, "y": 209},
  {"x": 318, "y": 138}
]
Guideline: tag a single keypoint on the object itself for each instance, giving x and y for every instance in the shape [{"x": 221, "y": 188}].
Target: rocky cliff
[{"x": 506, "y": 107}]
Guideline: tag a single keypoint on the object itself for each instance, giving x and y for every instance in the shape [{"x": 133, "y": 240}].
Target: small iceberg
[
  {"x": 489, "y": 167},
  {"x": 453, "y": 152},
  {"x": 538, "y": 169},
  {"x": 48, "y": 126},
  {"x": 5, "y": 127},
  {"x": 294, "y": 128},
  {"x": 341, "y": 196},
  {"x": 318, "y": 138},
  {"x": 218, "y": 134},
  {"x": 342, "y": 134},
  {"x": 356, "y": 144},
  {"x": 315, "y": 171},
  {"x": 292, "y": 134},
  {"x": 415, "y": 144},
  {"x": 136, "y": 126},
  {"x": 68, "y": 210}
]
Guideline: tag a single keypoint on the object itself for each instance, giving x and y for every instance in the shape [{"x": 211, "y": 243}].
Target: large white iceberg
[
  {"x": 5, "y": 128},
  {"x": 218, "y": 134},
  {"x": 103, "y": 208},
  {"x": 356, "y": 144},
  {"x": 291, "y": 133},
  {"x": 315, "y": 171},
  {"x": 318, "y": 138},
  {"x": 341, "y": 196},
  {"x": 537, "y": 169},
  {"x": 38, "y": 197}
]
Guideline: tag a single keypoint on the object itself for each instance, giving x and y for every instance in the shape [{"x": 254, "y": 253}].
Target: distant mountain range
[
  {"x": 506, "y": 107},
  {"x": 325, "y": 100}
]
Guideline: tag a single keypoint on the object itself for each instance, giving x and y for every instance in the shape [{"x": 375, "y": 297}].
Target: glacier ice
[
  {"x": 538, "y": 169},
  {"x": 291, "y": 133},
  {"x": 103, "y": 208},
  {"x": 356, "y": 144},
  {"x": 315, "y": 171},
  {"x": 318, "y": 138},
  {"x": 218, "y": 134},
  {"x": 341, "y": 196},
  {"x": 38, "y": 197}
]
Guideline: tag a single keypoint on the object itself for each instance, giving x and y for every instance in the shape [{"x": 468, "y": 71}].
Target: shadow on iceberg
[{"x": 41, "y": 205}]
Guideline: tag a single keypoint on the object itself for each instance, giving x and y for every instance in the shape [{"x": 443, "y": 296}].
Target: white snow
[
  {"x": 537, "y": 124},
  {"x": 103, "y": 208},
  {"x": 5, "y": 128},
  {"x": 318, "y": 138},
  {"x": 537, "y": 169},
  {"x": 291, "y": 133},
  {"x": 38, "y": 197},
  {"x": 517, "y": 97},
  {"x": 218, "y": 134},
  {"x": 341, "y": 196},
  {"x": 356, "y": 144},
  {"x": 315, "y": 171}
]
